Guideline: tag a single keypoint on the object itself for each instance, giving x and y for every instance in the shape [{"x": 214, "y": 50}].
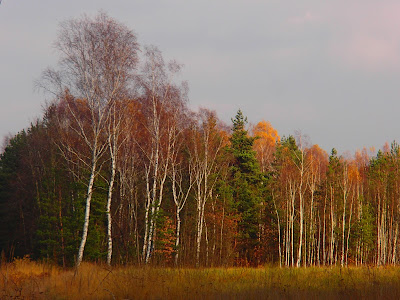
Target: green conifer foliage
[
  {"x": 248, "y": 186},
  {"x": 14, "y": 238}
]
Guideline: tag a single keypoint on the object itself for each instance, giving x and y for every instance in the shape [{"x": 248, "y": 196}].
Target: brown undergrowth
[{"x": 26, "y": 279}]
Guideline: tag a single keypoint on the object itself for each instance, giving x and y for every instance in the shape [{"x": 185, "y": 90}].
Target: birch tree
[
  {"x": 129, "y": 171},
  {"x": 182, "y": 181},
  {"x": 302, "y": 166},
  {"x": 160, "y": 98},
  {"x": 318, "y": 161},
  {"x": 265, "y": 144},
  {"x": 205, "y": 146},
  {"x": 116, "y": 138},
  {"x": 97, "y": 57}
]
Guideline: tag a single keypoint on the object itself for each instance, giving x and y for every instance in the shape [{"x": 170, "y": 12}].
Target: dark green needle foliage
[{"x": 248, "y": 186}]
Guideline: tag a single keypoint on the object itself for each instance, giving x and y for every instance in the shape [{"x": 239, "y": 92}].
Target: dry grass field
[{"x": 25, "y": 279}]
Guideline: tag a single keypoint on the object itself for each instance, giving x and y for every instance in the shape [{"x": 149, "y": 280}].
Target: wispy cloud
[
  {"x": 306, "y": 18},
  {"x": 366, "y": 35},
  {"x": 368, "y": 53}
]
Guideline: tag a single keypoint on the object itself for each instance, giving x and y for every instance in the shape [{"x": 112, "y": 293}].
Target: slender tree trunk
[
  {"x": 279, "y": 234},
  {"x": 292, "y": 227},
  {"x": 349, "y": 230},
  {"x": 179, "y": 197},
  {"x": 108, "y": 211},
  {"x": 61, "y": 227},
  {"x": 199, "y": 234},
  {"x": 395, "y": 244},
  {"x": 87, "y": 212},
  {"x": 311, "y": 234},
  {"x": 178, "y": 233},
  {"x": 332, "y": 244},
  {"x": 154, "y": 169},
  {"x": 301, "y": 209},
  {"x": 343, "y": 226},
  {"x": 222, "y": 231},
  {"x": 200, "y": 224},
  {"x": 319, "y": 241},
  {"x": 324, "y": 235},
  {"x": 379, "y": 240},
  {"x": 147, "y": 215},
  {"x": 214, "y": 235},
  {"x": 207, "y": 243},
  {"x": 288, "y": 244}
]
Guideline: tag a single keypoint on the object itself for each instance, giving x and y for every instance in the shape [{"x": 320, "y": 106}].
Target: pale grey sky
[{"x": 328, "y": 68}]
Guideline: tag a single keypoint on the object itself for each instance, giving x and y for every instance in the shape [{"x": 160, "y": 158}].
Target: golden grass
[{"x": 25, "y": 279}]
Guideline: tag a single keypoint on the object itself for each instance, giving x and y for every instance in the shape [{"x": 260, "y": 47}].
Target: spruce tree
[{"x": 248, "y": 184}]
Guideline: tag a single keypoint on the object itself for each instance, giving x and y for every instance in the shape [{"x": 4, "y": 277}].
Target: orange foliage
[
  {"x": 361, "y": 161},
  {"x": 266, "y": 132},
  {"x": 361, "y": 157},
  {"x": 165, "y": 241},
  {"x": 265, "y": 145},
  {"x": 318, "y": 159},
  {"x": 353, "y": 172},
  {"x": 317, "y": 154}
]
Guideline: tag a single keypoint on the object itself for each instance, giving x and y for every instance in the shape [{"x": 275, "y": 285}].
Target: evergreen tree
[
  {"x": 248, "y": 185},
  {"x": 13, "y": 238}
]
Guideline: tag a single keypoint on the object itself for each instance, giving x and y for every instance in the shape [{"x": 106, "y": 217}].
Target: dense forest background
[{"x": 119, "y": 169}]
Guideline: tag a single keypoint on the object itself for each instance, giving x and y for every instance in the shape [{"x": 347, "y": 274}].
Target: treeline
[{"x": 119, "y": 169}]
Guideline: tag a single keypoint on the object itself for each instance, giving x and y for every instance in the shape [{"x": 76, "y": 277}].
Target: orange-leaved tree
[{"x": 265, "y": 144}]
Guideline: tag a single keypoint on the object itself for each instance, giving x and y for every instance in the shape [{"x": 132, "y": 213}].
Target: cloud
[
  {"x": 307, "y": 17},
  {"x": 366, "y": 35},
  {"x": 368, "y": 52}
]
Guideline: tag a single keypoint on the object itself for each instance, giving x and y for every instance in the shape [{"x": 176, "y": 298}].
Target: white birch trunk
[
  {"x": 344, "y": 213},
  {"x": 87, "y": 214},
  {"x": 108, "y": 210},
  {"x": 301, "y": 209},
  {"x": 178, "y": 234}
]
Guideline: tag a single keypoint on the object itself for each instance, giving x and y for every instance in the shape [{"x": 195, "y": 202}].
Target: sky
[{"x": 329, "y": 69}]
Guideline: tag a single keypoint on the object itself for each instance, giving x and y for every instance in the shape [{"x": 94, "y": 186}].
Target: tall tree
[
  {"x": 205, "y": 147},
  {"x": 248, "y": 184},
  {"x": 97, "y": 57},
  {"x": 14, "y": 236},
  {"x": 161, "y": 98},
  {"x": 265, "y": 144},
  {"x": 285, "y": 193}
]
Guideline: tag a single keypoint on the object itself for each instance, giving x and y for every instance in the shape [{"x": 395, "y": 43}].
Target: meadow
[{"x": 25, "y": 279}]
